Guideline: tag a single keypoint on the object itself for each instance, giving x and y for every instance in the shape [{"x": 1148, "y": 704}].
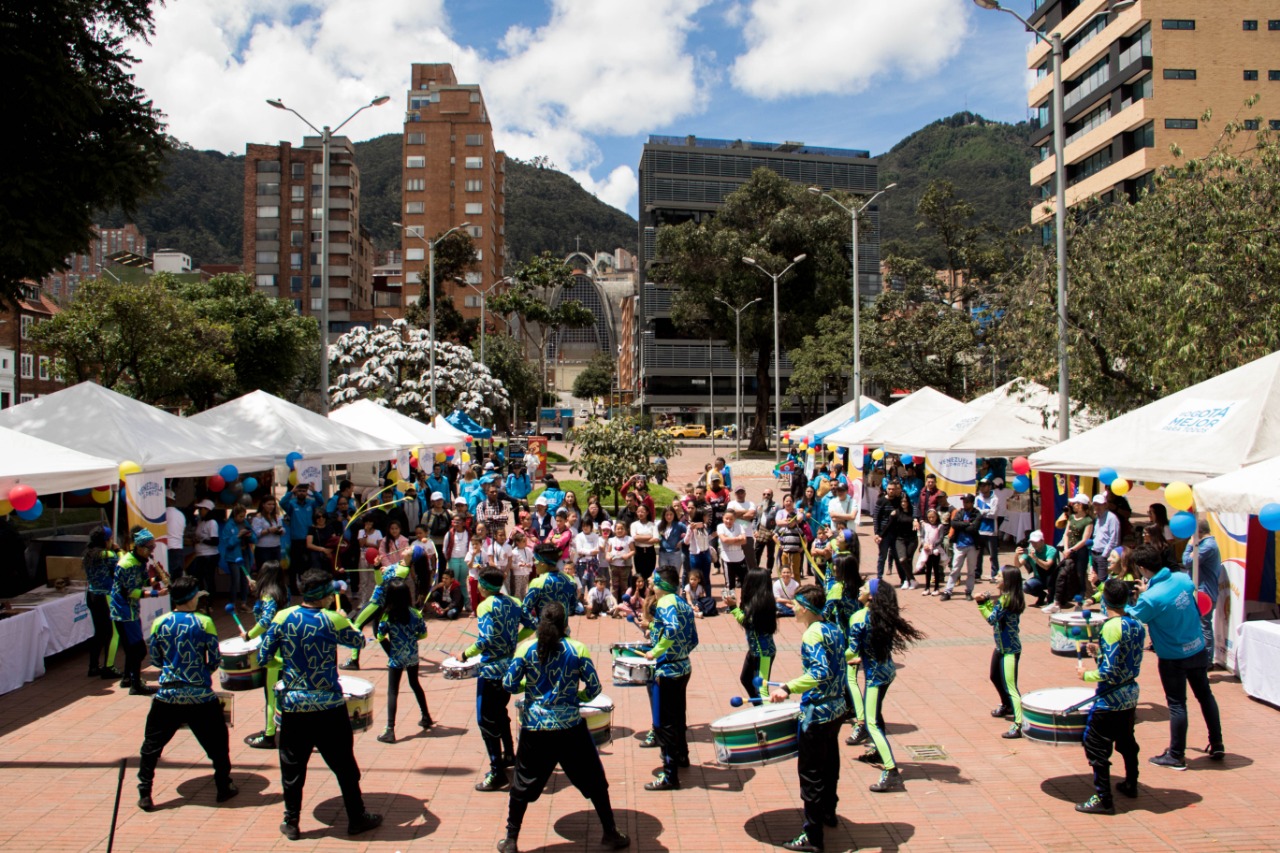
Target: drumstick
[
  {"x": 738, "y": 701},
  {"x": 231, "y": 608},
  {"x": 758, "y": 682}
]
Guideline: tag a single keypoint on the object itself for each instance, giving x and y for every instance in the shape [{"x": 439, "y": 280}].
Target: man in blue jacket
[
  {"x": 300, "y": 505},
  {"x": 1168, "y": 607}
]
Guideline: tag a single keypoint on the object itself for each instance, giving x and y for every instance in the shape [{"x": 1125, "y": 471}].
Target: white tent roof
[
  {"x": 100, "y": 422},
  {"x": 1009, "y": 421},
  {"x": 835, "y": 419},
  {"x": 278, "y": 427},
  {"x": 1246, "y": 490},
  {"x": 451, "y": 434},
  {"x": 1212, "y": 428},
  {"x": 389, "y": 425},
  {"x": 918, "y": 407},
  {"x": 49, "y": 467}
]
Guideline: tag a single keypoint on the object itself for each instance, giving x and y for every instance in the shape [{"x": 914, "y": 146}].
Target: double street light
[
  {"x": 777, "y": 352},
  {"x": 855, "y": 213},
  {"x": 484, "y": 298},
  {"x": 415, "y": 231},
  {"x": 737, "y": 350},
  {"x": 326, "y": 141}
]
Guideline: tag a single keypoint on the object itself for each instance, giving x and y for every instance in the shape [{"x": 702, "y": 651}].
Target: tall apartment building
[
  {"x": 283, "y": 213},
  {"x": 24, "y": 373},
  {"x": 61, "y": 285},
  {"x": 452, "y": 175},
  {"x": 1138, "y": 81},
  {"x": 687, "y": 178}
]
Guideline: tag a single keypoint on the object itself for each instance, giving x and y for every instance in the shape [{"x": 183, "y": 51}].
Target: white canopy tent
[
  {"x": 277, "y": 427},
  {"x": 100, "y": 422},
  {"x": 835, "y": 419},
  {"x": 1209, "y": 429},
  {"x": 1009, "y": 421},
  {"x": 452, "y": 433},
  {"x": 49, "y": 467},
  {"x": 919, "y": 407},
  {"x": 1246, "y": 490},
  {"x": 389, "y": 425}
]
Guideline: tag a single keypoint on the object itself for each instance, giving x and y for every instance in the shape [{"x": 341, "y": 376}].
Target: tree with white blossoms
[{"x": 391, "y": 365}]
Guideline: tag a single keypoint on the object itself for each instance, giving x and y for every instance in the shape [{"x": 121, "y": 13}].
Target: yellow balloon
[
  {"x": 1119, "y": 486},
  {"x": 1152, "y": 485},
  {"x": 811, "y": 451},
  {"x": 129, "y": 467},
  {"x": 5, "y": 507},
  {"x": 101, "y": 497},
  {"x": 466, "y": 457},
  {"x": 439, "y": 457},
  {"x": 877, "y": 454},
  {"x": 1178, "y": 495},
  {"x": 293, "y": 478},
  {"x": 833, "y": 447}
]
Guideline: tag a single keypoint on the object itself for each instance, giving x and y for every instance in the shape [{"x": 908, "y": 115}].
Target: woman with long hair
[
  {"x": 905, "y": 541},
  {"x": 644, "y": 533},
  {"x": 556, "y": 674},
  {"x": 273, "y": 596},
  {"x": 100, "y": 571},
  {"x": 270, "y": 527},
  {"x": 399, "y": 632},
  {"x": 758, "y": 616},
  {"x": 1004, "y": 614},
  {"x": 1078, "y": 521}
]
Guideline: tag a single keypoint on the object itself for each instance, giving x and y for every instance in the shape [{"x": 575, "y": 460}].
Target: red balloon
[
  {"x": 371, "y": 555},
  {"x": 413, "y": 462},
  {"x": 1021, "y": 465},
  {"x": 22, "y": 497},
  {"x": 468, "y": 439},
  {"x": 216, "y": 483},
  {"x": 450, "y": 450},
  {"x": 1204, "y": 602}
]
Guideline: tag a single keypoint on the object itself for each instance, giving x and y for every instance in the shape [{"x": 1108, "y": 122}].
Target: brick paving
[{"x": 62, "y": 738}]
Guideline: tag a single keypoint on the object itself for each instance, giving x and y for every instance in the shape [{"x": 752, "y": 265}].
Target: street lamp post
[
  {"x": 326, "y": 140},
  {"x": 431, "y": 290},
  {"x": 484, "y": 297},
  {"x": 737, "y": 349},
  {"x": 1060, "y": 211},
  {"x": 855, "y": 213},
  {"x": 777, "y": 353}
]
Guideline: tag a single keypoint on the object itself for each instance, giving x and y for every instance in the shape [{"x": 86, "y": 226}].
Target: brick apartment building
[
  {"x": 61, "y": 285},
  {"x": 282, "y": 229},
  {"x": 24, "y": 373},
  {"x": 452, "y": 174}
]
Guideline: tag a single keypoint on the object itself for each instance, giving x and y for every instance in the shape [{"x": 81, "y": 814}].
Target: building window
[
  {"x": 473, "y": 186},
  {"x": 1142, "y": 137},
  {"x": 317, "y": 236},
  {"x": 1273, "y": 24},
  {"x": 295, "y": 238},
  {"x": 415, "y": 230},
  {"x": 1177, "y": 24},
  {"x": 479, "y": 254},
  {"x": 1273, "y": 75},
  {"x": 315, "y": 282},
  {"x": 268, "y": 257},
  {"x": 268, "y": 165},
  {"x": 26, "y": 398},
  {"x": 474, "y": 207},
  {"x": 26, "y": 367},
  {"x": 475, "y": 163},
  {"x": 298, "y": 170},
  {"x": 1250, "y": 26},
  {"x": 297, "y": 305},
  {"x": 1251, "y": 124},
  {"x": 470, "y": 301},
  {"x": 268, "y": 211},
  {"x": 1179, "y": 74},
  {"x": 317, "y": 214},
  {"x": 267, "y": 234},
  {"x": 1181, "y": 124},
  {"x": 295, "y": 260},
  {"x": 475, "y": 139},
  {"x": 295, "y": 284},
  {"x": 475, "y": 98},
  {"x": 417, "y": 162},
  {"x": 1087, "y": 122},
  {"x": 414, "y": 207},
  {"x": 266, "y": 280},
  {"x": 415, "y": 185},
  {"x": 1274, "y": 124},
  {"x": 473, "y": 278},
  {"x": 269, "y": 189},
  {"x": 1093, "y": 78},
  {"x": 298, "y": 192},
  {"x": 298, "y": 214},
  {"x": 315, "y": 303},
  {"x": 476, "y": 231},
  {"x": 44, "y": 367},
  {"x": 1251, "y": 75},
  {"x": 25, "y": 323},
  {"x": 414, "y": 253},
  {"x": 416, "y": 138}
]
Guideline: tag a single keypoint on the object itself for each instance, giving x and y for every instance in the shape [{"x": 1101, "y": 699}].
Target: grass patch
[
  {"x": 554, "y": 458},
  {"x": 662, "y": 496}
]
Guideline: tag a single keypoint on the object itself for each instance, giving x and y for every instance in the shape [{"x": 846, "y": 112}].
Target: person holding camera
[{"x": 1040, "y": 561}]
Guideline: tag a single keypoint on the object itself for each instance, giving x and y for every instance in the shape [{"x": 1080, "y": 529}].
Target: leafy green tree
[
  {"x": 918, "y": 340},
  {"x": 1166, "y": 292},
  {"x": 87, "y": 136},
  {"x": 822, "y": 361},
  {"x": 596, "y": 380},
  {"x": 772, "y": 221},
  {"x": 455, "y": 255},
  {"x": 506, "y": 359},
  {"x": 606, "y": 453}
]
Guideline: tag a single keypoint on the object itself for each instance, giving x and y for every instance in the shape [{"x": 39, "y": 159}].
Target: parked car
[
  {"x": 688, "y": 431},
  {"x": 727, "y": 431}
]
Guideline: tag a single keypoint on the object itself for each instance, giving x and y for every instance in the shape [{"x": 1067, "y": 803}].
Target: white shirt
[
  {"x": 372, "y": 539},
  {"x": 785, "y": 592},
  {"x": 732, "y": 553},
  {"x": 461, "y": 545},
  {"x": 848, "y": 506},
  {"x": 175, "y": 526},
  {"x": 645, "y": 528},
  {"x": 586, "y": 545},
  {"x": 697, "y": 539},
  {"x": 260, "y": 524},
  {"x": 207, "y": 529},
  {"x": 520, "y": 560},
  {"x": 619, "y": 545}
]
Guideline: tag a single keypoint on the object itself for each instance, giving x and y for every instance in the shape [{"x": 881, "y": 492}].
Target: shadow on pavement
[
  {"x": 200, "y": 792},
  {"x": 1156, "y": 799},
  {"x": 782, "y": 825},
  {"x": 404, "y": 818},
  {"x": 927, "y": 770},
  {"x": 584, "y": 827}
]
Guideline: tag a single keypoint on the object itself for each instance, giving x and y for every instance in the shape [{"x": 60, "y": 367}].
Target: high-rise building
[
  {"x": 61, "y": 285},
  {"x": 25, "y": 372},
  {"x": 685, "y": 178},
  {"x": 1138, "y": 80},
  {"x": 282, "y": 229},
  {"x": 452, "y": 175}
]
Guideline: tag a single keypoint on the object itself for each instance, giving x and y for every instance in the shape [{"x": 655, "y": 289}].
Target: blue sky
[{"x": 584, "y": 82}]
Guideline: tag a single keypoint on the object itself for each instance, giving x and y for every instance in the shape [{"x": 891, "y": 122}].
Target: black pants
[
  {"x": 672, "y": 733},
  {"x": 819, "y": 767},
  {"x": 933, "y": 570},
  {"x": 393, "y": 691},
  {"x": 100, "y": 613},
  {"x": 735, "y": 574},
  {"x": 885, "y": 552},
  {"x": 989, "y": 545},
  {"x": 1174, "y": 677},
  {"x": 205, "y": 570},
  {"x": 536, "y": 759},
  {"x": 1064, "y": 587},
  {"x": 1104, "y": 730},
  {"x": 494, "y": 721},
  {"x": 904, "y": 550},
  {"x": 1080, "y": 562},
  {"x": 299, "y": 562},
  {"x": 768, "y": 547},
  {"x": 997, "y": 677},
  {"x": 135, "y": 650},
  {"x": 208, "y": 726},
  {"x": 747, "y": 678},
  {"x": 330, "y": 732},
  {"x": 646, "y": 560}
]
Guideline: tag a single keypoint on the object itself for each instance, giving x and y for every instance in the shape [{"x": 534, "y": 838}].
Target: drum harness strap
[{"x": 1099, "y": 695}]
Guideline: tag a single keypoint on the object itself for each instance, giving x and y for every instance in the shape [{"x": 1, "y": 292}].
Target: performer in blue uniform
[
  {"x": 675, "y": 636},
  {"x": 501, "y": 617}
]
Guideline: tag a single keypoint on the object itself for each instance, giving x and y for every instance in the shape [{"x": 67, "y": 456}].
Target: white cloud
[{"x": 811, "y": 47}]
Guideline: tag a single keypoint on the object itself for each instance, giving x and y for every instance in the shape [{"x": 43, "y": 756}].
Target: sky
[{"x": 585, "y": 82}]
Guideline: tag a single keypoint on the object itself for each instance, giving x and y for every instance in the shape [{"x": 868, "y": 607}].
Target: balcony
[
  {"x": 1101, "y": 135},
  {"x": 1138, "y": 163}
]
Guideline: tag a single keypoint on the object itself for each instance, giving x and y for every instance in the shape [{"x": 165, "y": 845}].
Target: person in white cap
[
  {"x": 1040, "y": 561},
  {"x": 542, "y": 519},
  {"x": 204, "y": 564},
  {"x": 1078, "y": 522},
  {"x": 1106, "y": 535}
]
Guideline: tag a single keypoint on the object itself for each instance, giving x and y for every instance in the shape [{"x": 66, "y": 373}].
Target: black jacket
[{"x": 883, "y": 518}]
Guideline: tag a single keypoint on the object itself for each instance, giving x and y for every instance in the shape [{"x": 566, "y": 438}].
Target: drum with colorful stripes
[
  {"x": 240, "y": 669},
  {"x": 598, "y": 714},
  {"x": 760, "y": 735},
  {"x": 1066, "y": 630},
  {"x": 358, "y": 694},
  {"x": 1050, "y": 716}
]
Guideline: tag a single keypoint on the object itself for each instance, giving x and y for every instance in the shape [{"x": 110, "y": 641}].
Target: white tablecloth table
[
  {"x": 68, "y": 621},
  {"x": 1258, "y": 660},
  {"x": 1017, "y": 525},
  {"x": 22, "y": 642}
]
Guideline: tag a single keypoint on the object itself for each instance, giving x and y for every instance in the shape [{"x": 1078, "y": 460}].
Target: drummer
[
  {"x": 550, "y": 584},
  {"x": 272, "y": 595},
  {"x": 675, "y": 635},
  {"x": 499, "y": 629},
  {"x": 372, "y": 612},
  {"x": 822, "y": 708},
  {"x": 313, "y": 710}
]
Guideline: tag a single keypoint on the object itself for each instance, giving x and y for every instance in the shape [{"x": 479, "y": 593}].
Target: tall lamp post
[
  {"x": 431, "y": 291},
  {"x": 737, "y": 349},
  {"x": 855, "y": 213},
  {"x": 326, "y": 141},
  {"x": 484, "y": 297},
  {"x": 777, "y": 353},
  {"x": 1060, "y": 212}
]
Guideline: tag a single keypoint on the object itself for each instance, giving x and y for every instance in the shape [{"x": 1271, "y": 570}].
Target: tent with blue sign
[
  {"x": 819, "y": 429},
  {"x": 463, "y": 421}
]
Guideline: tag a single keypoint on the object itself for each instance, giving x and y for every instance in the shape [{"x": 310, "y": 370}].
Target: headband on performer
[
  {"x": 804, "y": 602},
  {"x": 489, "y": 587},
  {"x": 318, "y": 592},
  {"x": 874, "y": 586},
  {"x": 662, "y": 584},
  {"x": 195, "y": 592}
]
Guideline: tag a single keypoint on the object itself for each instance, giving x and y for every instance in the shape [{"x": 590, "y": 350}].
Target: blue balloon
[
  {"x": 293, "y": 459},
  {"x": 250, "y": 484},
  {"x": 1183, "y": 525},
  {"x": 33, "y": 513},
  {"x": 229, "y": 473},
  {"x": 908, "y": 459},
  {"x": 82, "y": 493},
  {"x": 1021, "y": 483},
  {"x": 227, "y": 497},
  {"x": 1107, "y": 476},
  {"x": 1269, "y": 517}
]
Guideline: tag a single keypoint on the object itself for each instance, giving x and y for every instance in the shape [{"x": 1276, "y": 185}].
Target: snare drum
[
  {"x": 457, "y": 670},
  {"x": 1044, "y": 716},
  {"x": 598, "y": 715},
  {"x": 639, "y": 647},
  {"x": 1067, "y": 629},
  {"x": 760, "y": 735},
  {"x": 240, "y": 668},
  {"x": 630, "y": 668},
  {"x": 358, "y": 694}
]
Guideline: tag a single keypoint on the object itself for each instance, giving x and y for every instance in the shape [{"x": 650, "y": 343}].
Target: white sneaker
[
  {"x": 1051, "y": 609},
  {"x": 926, "y": 591}
]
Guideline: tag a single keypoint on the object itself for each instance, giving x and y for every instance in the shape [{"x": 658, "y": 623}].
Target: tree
[
  {"x": 1166, "y": 292},
  {"x": 142, "y": 340},
  {"x": 606, "y": 453},
  {"x": 509, "y": 365},
  {"x": 771, "y": 220},
  {"x": 596, "y": 380},
  {"x": 455, "y": 255},
  {"x": 918, "y": 343},
  {"x": 529, "y": 297},
  {"x": 821, "y": 362},
  {"x": 87, "y": 136},
  {"x": 391, "y": 366}
]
